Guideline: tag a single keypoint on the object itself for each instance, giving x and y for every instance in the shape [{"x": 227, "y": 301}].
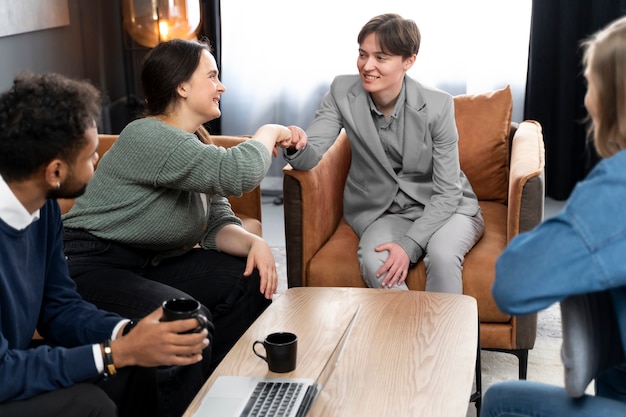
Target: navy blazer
[{"x": 430, "y": 174}]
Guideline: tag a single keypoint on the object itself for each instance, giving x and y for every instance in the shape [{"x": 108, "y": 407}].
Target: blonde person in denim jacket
[{"x": 579, "y": 251}]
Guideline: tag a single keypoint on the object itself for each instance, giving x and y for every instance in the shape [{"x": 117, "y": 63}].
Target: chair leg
[
  {"x": 522, "y": 357},
  {"x": 477, "y": 395}
]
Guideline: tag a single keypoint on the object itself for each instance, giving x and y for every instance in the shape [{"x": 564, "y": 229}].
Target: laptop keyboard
[{"x": 272, "y": 399}]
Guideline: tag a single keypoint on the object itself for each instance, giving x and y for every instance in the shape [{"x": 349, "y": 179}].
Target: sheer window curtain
[{"x": 279, "y": 56}]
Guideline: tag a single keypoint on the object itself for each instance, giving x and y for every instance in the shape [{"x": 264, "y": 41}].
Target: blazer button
[
  {"x": 185, "y": 247},
  {"x": 204, "y": 227}
]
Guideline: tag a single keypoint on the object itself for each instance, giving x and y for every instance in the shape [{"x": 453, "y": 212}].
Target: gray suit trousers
[{"x": 444, "y": 253}]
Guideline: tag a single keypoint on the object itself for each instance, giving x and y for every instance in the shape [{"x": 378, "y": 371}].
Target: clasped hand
[
  {"x": 292, "y": 137},
  {"x": 299, "y": 138}
]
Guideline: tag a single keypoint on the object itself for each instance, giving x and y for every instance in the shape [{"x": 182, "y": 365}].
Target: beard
[{"x": 68, "y": 190}]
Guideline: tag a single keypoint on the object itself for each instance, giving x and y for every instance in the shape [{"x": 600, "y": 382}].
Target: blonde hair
[{"x": 605, "y": 62}]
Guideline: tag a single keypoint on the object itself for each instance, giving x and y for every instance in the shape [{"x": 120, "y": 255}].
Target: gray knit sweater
[{"x": 146, "y": 190}]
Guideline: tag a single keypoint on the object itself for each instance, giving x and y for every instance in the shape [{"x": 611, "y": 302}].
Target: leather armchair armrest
[
  {"x": 526, "y": 179},
  {"x": 313, "y": 206}
]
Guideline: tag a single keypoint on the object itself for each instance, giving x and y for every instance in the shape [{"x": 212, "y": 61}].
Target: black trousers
[
  {"x": 131, "y": 393},
  {"x": 127, "y": 281}
]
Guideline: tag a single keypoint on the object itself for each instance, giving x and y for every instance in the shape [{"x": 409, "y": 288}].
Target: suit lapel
[
  {"x": 365, "y": 126},
  {"x": 415, "y": 127}
]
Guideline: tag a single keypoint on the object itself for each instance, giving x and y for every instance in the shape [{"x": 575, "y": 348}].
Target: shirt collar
[
  {"x": 12, "y": 212},
  {"x": 396, "y": 108}
]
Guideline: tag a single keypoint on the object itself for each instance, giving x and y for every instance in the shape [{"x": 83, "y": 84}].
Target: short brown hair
[{"x": 396, "y": 35}]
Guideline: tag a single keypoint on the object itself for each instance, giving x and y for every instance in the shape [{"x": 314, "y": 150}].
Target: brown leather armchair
[
  {"x": 247, "y": 207},
  {"x": 321, "y": 247}
]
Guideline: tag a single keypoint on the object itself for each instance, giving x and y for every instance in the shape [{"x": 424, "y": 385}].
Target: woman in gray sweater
[{"x": 155, "y": 223}]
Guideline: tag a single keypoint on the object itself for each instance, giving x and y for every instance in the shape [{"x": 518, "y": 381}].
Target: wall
[{"x": 91, "y": 48}]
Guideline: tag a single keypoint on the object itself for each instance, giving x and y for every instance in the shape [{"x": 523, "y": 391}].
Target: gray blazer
[{"x": 430, "y": 172}]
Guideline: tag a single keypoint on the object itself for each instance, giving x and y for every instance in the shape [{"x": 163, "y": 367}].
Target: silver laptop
[{"x": 239, "y": 396}]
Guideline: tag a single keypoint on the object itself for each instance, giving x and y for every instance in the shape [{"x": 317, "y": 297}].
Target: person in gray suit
[{"x": 405, "y": 195}]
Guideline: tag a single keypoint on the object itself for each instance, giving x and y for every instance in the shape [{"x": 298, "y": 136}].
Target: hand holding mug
[
  {"x": 152, "y": 342},
  {"x": 182, "y": 309}
]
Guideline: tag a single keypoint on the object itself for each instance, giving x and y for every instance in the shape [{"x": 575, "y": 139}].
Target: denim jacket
[{"x": 581, "y": 250}]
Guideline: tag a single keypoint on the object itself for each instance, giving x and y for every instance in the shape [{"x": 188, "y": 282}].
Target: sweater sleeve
[
  {"x": 196, "y": 167},
  {"x": 220, "y": 214},
  {"x": 29, "y": 372},
  {"x": 65, "y": 318}
]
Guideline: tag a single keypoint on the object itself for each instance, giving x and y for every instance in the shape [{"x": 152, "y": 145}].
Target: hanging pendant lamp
[{"x": 150, "y": 22}]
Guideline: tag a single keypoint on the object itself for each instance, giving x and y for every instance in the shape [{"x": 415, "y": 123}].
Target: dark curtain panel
[
  {"x": 211, "y": 28},
  {"x": 555, "y": 87}
]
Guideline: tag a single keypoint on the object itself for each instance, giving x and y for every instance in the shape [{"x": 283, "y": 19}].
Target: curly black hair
[{"x": 43, "y": 117}]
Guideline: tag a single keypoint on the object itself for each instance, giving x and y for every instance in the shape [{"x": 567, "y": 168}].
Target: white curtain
[{"x": 279, "y": 56}]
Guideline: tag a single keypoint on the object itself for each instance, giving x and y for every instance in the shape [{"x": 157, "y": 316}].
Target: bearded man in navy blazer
[{"x": 90, "y": 362}]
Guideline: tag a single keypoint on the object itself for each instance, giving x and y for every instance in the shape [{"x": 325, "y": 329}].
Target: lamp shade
[{"x": 149, "y": 22}]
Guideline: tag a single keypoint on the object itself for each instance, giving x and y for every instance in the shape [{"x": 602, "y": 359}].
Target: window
[{"x": 279, "y": 56}]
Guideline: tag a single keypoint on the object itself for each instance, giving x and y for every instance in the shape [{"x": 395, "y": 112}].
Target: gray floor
[{"x": 273, "y": 221}]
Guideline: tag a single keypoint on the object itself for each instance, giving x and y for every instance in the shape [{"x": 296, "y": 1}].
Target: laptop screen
[
  {"x": 329, "y": 367},
  {"x": 335, "y": 356}
]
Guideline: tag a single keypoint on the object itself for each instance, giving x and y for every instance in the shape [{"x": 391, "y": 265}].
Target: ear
[
  {"x": 183, "y": 89},
  {"x": 408, "y": 63},
  {"x": 55, "y": 173}
]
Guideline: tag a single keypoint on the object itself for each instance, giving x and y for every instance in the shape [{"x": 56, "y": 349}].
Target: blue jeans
[{"x": 533, "y": 399}]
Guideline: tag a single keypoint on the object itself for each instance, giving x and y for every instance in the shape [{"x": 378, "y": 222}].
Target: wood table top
[{"x": 410, "y": 353}]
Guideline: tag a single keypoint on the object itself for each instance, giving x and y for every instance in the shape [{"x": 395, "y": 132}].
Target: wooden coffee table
[{"x": 410, "y": 353}]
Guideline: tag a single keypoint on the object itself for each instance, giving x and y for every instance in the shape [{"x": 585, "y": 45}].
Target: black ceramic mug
[
  {"x": 184, "y": 308},
  {"x": 281, "y": 350}
]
